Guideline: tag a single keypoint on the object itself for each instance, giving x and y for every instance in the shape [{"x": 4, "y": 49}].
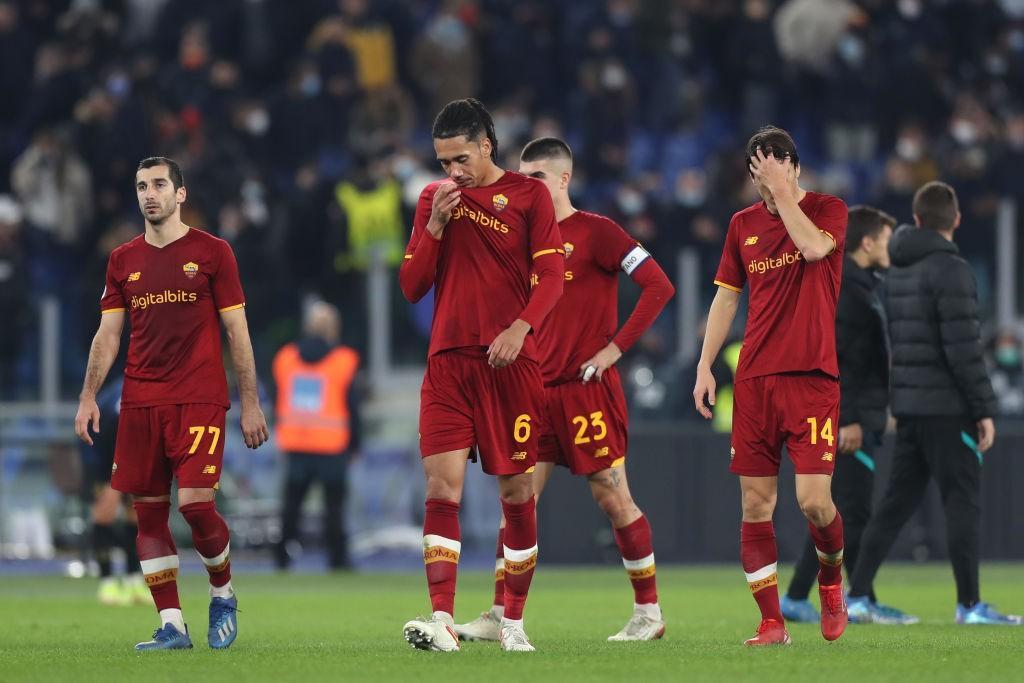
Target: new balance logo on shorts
[{"x": 519, "y": 455}]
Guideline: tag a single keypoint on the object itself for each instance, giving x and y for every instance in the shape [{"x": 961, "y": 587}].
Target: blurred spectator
[
  {"x": 1008, "y": 373},
  {"x": 15, "y": 299},
  {"x": 445, "y": 60}
]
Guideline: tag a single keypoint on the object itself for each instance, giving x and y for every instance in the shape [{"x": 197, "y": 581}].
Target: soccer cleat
[
  {"x": 112, "y": 593},
  {"x": 860, "y": 610},
  {"x": 513, "y": 638},
  {"x": 223, "y": 622},
  {"x": 800, "y": 611},
  {"x": 884, "y": 614},
  {"x": 984, "y": 613},
  {"x": 431, "y": 634},
  {"x": 640, "y": 627},
  {"x": 833, "y": 611},
  {"x": 487, "y": 626},
  {"x": 135, "y": 586},
  {"x": 167, "y": 638},
  {"x": 770, "y": 632}
]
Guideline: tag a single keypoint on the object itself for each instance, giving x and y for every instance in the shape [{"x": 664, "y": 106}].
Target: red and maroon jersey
[
  {"x": 482, "y": 280},
  {"x": 173, "y": 296},
  {"x": 587, "y": 315},
  {"x": 791, "y": 319}
]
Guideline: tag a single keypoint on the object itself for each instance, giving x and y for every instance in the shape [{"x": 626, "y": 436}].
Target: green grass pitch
[{"x": 349, "y": 628}]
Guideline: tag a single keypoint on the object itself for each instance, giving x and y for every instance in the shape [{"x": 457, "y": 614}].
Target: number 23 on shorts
[{"x": 826, "y": 431}]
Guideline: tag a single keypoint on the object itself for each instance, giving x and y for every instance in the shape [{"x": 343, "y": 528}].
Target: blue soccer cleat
[
  {"x": 223, "y": 622},
  {"x": 984, "y": 613},
  {"x": 885, "y": 614},
  {"x": 800, "y": 611},
  {"x": 166, "y": 638},
  {"x": 860, "y": 610}
]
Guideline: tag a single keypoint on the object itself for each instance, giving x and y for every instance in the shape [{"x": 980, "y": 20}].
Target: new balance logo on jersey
[
  {"x": 165, "y": 297},
  {"x": 751, "y": 241},
  {"x": 134, "y": 277}
]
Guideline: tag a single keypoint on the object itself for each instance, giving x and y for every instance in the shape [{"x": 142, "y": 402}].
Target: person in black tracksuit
[
  {"x": 941, "y": 397},
  {"x": 862, "y": 348}
]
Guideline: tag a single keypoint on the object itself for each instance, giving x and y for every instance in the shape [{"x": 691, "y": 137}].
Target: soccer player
[
  {"x": 789, "y": 248},
  {"x": 586, "y": 419},
  {"x": 176, "y": 282},
  {"x": 476, "y": 236}
]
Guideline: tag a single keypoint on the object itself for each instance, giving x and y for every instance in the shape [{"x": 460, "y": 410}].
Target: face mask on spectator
[
  {"x": 257, "y": 122},
  {"x": 631, "y": 202},
  {"x": 310, "y": 85},
  {"x": 1008, "y": 356},
  {"x": 909, "y": 148},
  {"x": 964, "y": 131}
]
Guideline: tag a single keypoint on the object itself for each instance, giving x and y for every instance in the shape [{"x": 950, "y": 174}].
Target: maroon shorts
[
  {"x": 159, "y": 443},
  {"x": 585, "y": 425},
  {"x": 798, "y": 410},
  {"x": 466, "y": 402}
]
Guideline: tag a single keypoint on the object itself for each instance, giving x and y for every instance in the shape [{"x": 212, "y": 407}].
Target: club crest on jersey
[
  {"x": 500, "y": 201},
  {"x": 568, "y": 249},
  {"x": 191, "y": 269},
  {"x": 134, "y": 277}
]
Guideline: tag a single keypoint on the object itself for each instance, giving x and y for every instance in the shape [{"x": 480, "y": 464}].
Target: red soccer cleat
[
  {"x": 833, "y": 611},
  {"x": 770, "y": 632}
]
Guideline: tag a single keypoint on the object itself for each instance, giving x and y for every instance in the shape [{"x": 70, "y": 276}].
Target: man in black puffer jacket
[{"x": 942, "y": 399}]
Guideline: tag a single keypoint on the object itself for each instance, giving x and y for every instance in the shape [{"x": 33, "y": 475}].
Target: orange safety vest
[{"x": 312, "y": 400}]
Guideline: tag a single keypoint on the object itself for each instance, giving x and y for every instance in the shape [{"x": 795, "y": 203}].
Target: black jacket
[
  {"x": 932, "y": 306},
  {"x": 863, "y": 350}
]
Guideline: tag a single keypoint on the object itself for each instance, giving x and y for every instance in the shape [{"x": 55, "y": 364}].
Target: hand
[
  {"x": 88, "y": 412},
  {"x": 254, "y": 427},
  {"x": 986, "y": 433},
  {"x": 851, "y": 438},
  {"x": 705, "y": 387},
  {"x": 777, "y": 176},
  {"x": 446, "y": 198},
  {"x": 506, "y": 346},
  {"x": 601, "y": 361}
]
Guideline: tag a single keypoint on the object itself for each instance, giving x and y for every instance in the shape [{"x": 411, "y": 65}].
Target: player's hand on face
[
  {"x": 254, "y": 427},
  {"x": 776, "y": 175},
  {"x": 88, "y": 412},
  {"x": 601, "y": 361},
  {"x": 705, "y": 387},
  {"x": 446, "y": 198},
  {"x": 851, "y": 438},
  {"x": 986, "y": 434},
  {"x": 506, "y": 346}
]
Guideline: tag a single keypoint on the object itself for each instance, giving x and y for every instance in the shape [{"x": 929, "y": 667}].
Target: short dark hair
[
  {"x": 466, "y": 117},
  {"x": 936, "y": 206},
  {"x": 773, "y": 141},
  {"x": 173, "y": 170},
  {"x": 546, "y": 148},
  {"x": 865, "y": 221}
]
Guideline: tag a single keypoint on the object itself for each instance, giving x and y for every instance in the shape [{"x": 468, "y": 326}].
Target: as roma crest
[
  {"x": 191, "y": 269},
  {"x": 500, "y": 201}
]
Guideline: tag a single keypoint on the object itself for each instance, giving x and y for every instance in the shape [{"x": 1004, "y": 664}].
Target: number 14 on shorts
[{"x": 826, "y": 431}]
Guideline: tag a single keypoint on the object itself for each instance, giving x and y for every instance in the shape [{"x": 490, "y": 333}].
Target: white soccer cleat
[
  {"x": 513, "y": 638},
  {"x": 487, "y": 626},
  {"x": 640, "y": 627},
  {"x": 433, "y": 634}
]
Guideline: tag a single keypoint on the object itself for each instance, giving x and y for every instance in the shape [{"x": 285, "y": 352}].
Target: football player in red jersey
[
  {"x": 177, "y": 284},
  {"x": 476, "y": 237},
  {"x": 789, "y": 249},
  {"x": 586, "y": 418}
]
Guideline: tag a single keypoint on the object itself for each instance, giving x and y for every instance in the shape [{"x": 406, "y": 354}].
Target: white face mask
[
  {"x": 257, "y": 122},
  {"x": 909, "y": 148},
  {"x": 964, "y": 131},
  {"x": 631, "y": 202}
]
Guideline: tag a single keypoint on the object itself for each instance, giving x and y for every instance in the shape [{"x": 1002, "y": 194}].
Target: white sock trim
[
  {"x": 642, "y": 563},
  {"x": 219, "y": 559},
  {"x": 172, "y": 616},
  {"x": 225, "y": 591},
  {"x": 159, "y": 564},
  {"x": 499, "y": 563},
  {"x": 838, "y": 555},
  {"x": 762, "y": 573},
  {"x": 498, "y": 611},
  {"x": 433, "y": 540},
  {"x": 518, "y": 555}
]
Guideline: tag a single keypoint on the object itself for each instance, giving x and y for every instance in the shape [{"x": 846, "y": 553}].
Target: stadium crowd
[{"x": 303, "y": 130}]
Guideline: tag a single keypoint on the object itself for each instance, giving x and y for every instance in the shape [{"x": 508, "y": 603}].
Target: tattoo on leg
[{"x": 614, "y": 476}]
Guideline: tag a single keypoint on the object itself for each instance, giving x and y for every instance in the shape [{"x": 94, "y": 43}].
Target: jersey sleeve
[
  {"x": 227, "y": 286},
  {"x": 545, "y": 237},
  {"x": 548, "y": 256},
  {"x": 112, "y": 298},
  {"x": 731, "y": 273},
  {"x": 831, "y": 220},
  {"x": 618, "y": 250},
  {"x": 417, "y": 272}
]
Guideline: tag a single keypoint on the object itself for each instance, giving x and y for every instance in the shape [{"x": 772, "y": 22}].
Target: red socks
[
  {"x": 760, "y": 557},
  {"x": 634, "y": 541},
  {"x": 157, "y": 553},
  {"x": 211, "y": 539},
  {"x": 441, "y": 547},
  {"x": 828, "y": 541},
  {"x": 499, "y": 570},
  {"x": 520, "y": 551}
]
